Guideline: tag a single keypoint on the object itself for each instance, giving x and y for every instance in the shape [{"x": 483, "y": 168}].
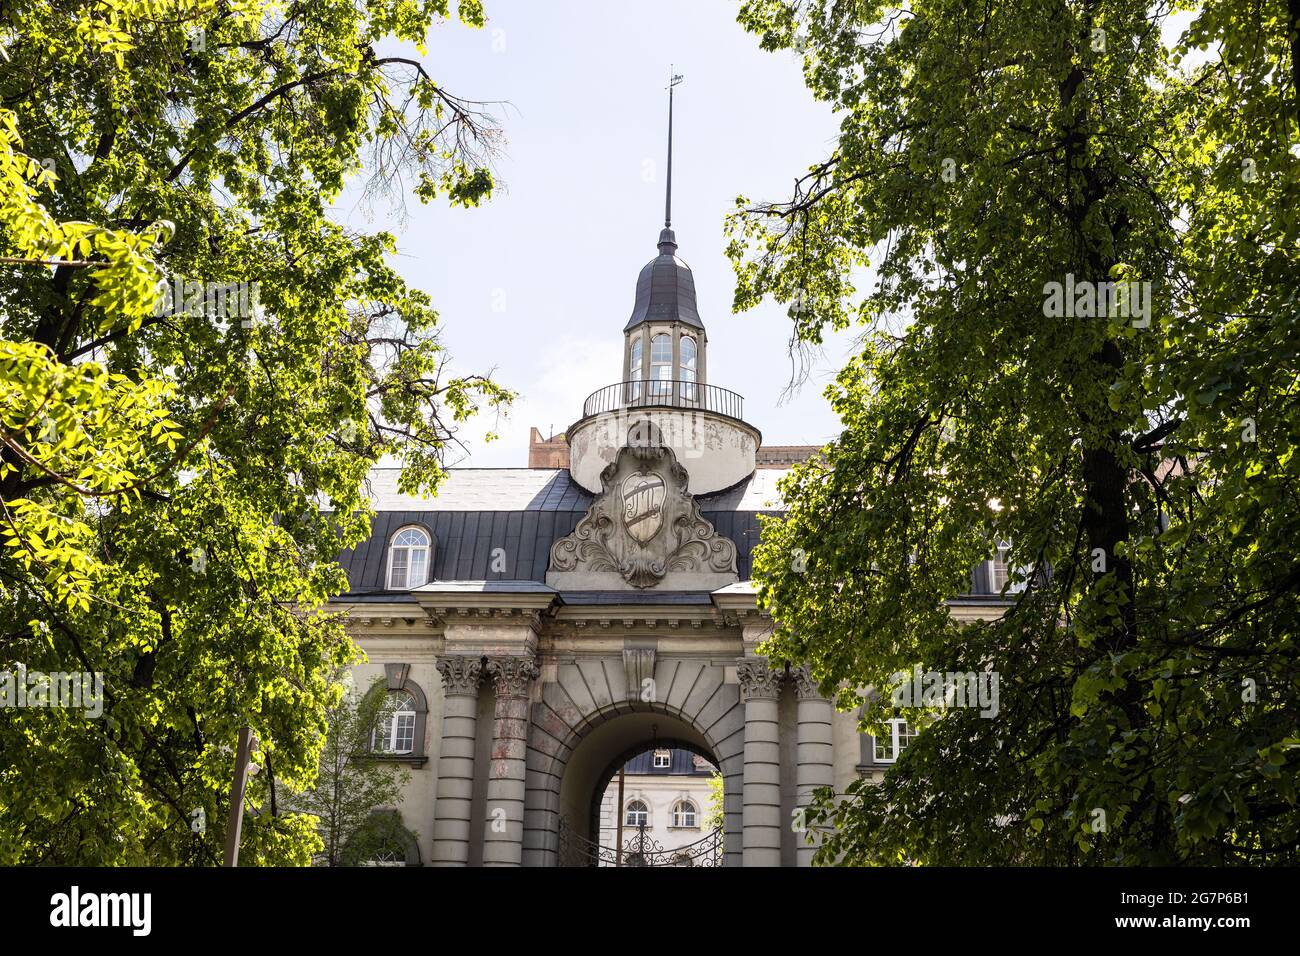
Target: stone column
[
  {"x": 503, "y": 829},
  {"x": 460, "y": 682},
  {"x": 815, "y": 761},
  {"x": 761, "y": 809}
]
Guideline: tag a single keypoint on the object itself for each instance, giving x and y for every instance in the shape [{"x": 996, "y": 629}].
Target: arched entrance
[
  {"x": 654, "y": 814},
  {"x": 569, "y": 771}
]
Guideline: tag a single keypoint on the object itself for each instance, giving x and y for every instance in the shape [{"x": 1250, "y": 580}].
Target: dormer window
[
  {"x": 661, "y": 365},
  {"x": 1000, "y": 572},
  {"x": 408, "y": 559},
  {"x": 663, "y": 759},
  {"x": 687, "y": 371}
]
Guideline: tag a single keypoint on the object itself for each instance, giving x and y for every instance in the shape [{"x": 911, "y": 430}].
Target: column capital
[
  {"x": 512, "y": 675},
  {"x": 804, "y": 686},
  {"x": 757, "y": 679},
  {"x": 460, "y": 675}
]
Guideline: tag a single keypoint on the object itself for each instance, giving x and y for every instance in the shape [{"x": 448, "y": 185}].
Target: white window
[
  {"x": 1000, "y": 571},
  {"x": 687, "y": 371},
  {"x": 663, "y": 759},
  {"x": 395, "y": 732},
  {"x": 637, "y": 815},
  {"x": 684, "y": 814},
  {"x": 634, "y": 389},
  {"x": 887, "y": 749},
  {"x": 661, "y": 365},
  {"x": 408, "y": 559}
]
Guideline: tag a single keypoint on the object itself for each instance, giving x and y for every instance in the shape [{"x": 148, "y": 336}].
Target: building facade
[
  {"x": 663, "y": 816},
  {"x": 540, "y": 627}
]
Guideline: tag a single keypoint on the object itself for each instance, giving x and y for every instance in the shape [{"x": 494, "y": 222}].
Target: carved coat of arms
[
  {"x": 643, "y": 527},
  {"x": 643, "y": 505}
]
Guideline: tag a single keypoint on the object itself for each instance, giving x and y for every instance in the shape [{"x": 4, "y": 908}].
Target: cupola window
[
  {"x": 634, "y": 388},
  {"x": 687, "y": 374},
  {"x": 661, "y": 365}
]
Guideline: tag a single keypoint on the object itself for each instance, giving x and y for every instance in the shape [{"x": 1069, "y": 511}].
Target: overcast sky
[{"x": 538, "y": 283}]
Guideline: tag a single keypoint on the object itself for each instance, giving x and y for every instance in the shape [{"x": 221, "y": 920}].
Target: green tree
[
  {"x": 178, "y": 476},
  {"x": 714, "y": 816},
  {"x": 1143, "y": 462},
  {"x": 351, "y": 784}
]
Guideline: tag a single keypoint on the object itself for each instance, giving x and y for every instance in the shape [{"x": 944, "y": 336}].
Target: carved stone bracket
[
  {"x": 460, "y": 675},
  {"x": 642, "y": 527},
  {"x": 638, "y": 666},
  {"x": 513, "y": 675}
]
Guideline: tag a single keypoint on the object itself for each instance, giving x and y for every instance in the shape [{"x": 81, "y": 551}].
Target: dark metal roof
[
  {"x": 464, "y": 542},
  {"x": 665, "y": 289},
  {"x": 681, "y": 762}
]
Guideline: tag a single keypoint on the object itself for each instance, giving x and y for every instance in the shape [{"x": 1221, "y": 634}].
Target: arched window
[
  {"x": 381, "y": 840},
  {"x": 661, "y": 365},
  {"x": 399, "y": 710},
  {"x": 685, "y": 814},
  {"x": 408, "y": 559},
  {"x": 687, "y": 372},
  {"x": 634, "y": 390},
  {"x": 394, "y": 732},
  {"x": 637, "y": 815}
]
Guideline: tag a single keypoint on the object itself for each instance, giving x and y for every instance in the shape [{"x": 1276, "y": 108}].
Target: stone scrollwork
[
  {"x": 460, "y": 675},
  {"x": 644, "y": 525},
  {"x": 804, "y": 686},
  {"x": 512, "y": 675},
  {"x": 757, "y": 679}
]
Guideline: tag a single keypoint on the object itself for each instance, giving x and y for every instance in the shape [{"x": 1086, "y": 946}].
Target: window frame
[
  {"x": 1002, "y": 552},
  {"x": 899, "y": 740},
  {"x": 644, "y": 812},
  {"x": 394, "y": 548},
  {"x": 397, "y": 680},
  {"x": 687, "y": 374},
  {"x": 667, "y": 756},
  {"x": 390, "y": 720},
  {"x": 636, "y": 366},
  {"x": 661, "y": 386},
  {"x": 680, "y": 815}
]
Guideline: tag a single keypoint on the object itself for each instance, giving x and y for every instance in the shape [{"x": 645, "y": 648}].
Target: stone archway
[
  {"x": 591, "y": 849},
  {"x": 579, "y": 733},
  {"x": 611, "y": 770}
]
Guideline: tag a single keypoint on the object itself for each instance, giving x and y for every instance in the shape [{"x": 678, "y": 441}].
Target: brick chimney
[{"x": 550, "y": 452}]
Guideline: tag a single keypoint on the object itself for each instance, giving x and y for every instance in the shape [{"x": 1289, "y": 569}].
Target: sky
[{"x": 537, "y": 284}]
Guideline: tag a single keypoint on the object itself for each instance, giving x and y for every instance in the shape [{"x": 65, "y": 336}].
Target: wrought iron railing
[
  {"x": 664, "y": 393},
  {"x": 639, "y": 850}
]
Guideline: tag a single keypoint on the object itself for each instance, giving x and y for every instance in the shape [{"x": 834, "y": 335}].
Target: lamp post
[{"x": 237, "y": 787}]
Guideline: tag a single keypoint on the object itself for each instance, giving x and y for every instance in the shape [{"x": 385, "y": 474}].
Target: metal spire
[{"x": 673, "y": 80}]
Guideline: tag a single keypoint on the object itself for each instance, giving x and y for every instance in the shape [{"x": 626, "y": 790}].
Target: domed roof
[{"x": 665, "y": 289}]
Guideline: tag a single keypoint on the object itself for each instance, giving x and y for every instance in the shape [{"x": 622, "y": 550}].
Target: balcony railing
[{"x": 664, "y": 393}]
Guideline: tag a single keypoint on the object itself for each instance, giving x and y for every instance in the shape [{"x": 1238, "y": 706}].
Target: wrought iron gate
[{"x": 640, "y": 850}]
